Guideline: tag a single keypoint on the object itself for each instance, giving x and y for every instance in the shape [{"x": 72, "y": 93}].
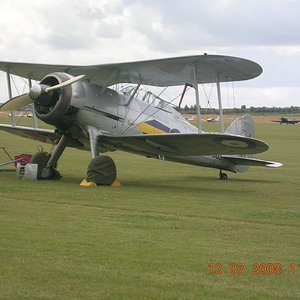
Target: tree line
[{"x": 243, "y": 109}]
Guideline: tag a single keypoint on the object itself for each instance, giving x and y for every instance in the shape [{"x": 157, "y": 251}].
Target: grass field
[{"x": 155, "y": 236}]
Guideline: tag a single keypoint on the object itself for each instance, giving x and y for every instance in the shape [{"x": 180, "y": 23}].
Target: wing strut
[
  {"x": 13, "y": 119},
  {"x": 197, "y": 99},
  {"x": 220, "y": 105},
  {"x": 183, "y": 93},
  {"x": 93, "y": 136},
  {"x": 133, "y": 94}
]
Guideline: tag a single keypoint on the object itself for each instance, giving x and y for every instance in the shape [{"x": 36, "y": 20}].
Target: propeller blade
[
  {"x": 16, "y": 102},
  {"x": 63, "y": 84},
  {"x": 34, "y": 93}
]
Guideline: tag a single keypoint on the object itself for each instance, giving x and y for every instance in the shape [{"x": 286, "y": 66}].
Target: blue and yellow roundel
[{"x": 155, "y": 127}]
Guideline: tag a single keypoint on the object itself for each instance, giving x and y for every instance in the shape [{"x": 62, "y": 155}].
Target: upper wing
[
  {"x": 159, "y": 72},
  {"x": 184, "y": 144}
]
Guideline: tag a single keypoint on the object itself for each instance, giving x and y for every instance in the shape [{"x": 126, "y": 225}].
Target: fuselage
[{"x": 118, "y": 113}]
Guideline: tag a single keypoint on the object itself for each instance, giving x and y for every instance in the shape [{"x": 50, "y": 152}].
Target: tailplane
[{"x": 245, "y": 126}]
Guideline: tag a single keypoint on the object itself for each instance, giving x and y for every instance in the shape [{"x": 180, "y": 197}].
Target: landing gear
[
  {"x": 44, "y": 172},
  {"x": 101, "y": 170},
  {"x": 50, "y": 173},
  {"x": 47, "y": 163},
  {"x": 223, "y": 176}
]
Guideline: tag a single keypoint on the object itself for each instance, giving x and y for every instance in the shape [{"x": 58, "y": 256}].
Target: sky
[{"x": 107, "y": 31}]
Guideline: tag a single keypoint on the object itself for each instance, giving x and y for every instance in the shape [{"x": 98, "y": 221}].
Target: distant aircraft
[
  {"x": 192, "y": 118},
  {"x": 212, "y": 120},
  {"x": 285, "y": 120},
  {"x": 89, "y": 115},
  {"x": 22, "y": 114}
]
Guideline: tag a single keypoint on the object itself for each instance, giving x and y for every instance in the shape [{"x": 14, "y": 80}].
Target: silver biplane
[{"x": 89, "y": 114}]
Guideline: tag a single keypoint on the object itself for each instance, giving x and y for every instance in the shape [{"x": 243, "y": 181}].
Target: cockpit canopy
[{"x": 149, "y": 97}]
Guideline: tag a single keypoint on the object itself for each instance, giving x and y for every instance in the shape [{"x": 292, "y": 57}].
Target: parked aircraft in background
[
  {"x": 285, "y": 120},
  {"x": 89, "y": 114},
  {"x": 212, "y": 120}
]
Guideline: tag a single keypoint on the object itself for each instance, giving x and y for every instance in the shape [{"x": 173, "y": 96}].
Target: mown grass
[{"x": 155, "y": 236}]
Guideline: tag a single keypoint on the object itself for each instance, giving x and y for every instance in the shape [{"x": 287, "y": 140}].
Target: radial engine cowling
[{"x": 55, "y": 107}]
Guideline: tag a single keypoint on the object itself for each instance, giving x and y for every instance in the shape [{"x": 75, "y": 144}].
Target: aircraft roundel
[
  {"x": 234, "y": 142},
  {"x": 174, "y": 130}
]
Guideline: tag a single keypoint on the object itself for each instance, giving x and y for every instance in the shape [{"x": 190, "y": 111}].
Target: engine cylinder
[{"x": 54, "y": 107}]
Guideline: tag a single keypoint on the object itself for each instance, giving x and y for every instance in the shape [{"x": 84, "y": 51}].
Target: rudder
[{"x": 242, "y": 126}]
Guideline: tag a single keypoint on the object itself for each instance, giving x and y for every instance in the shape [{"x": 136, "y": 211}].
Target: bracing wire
[
  {"x": 233, "y": 94},
  {"x": 14, "y": 83},
  {"x": 227, "y": 93},
  {"x": 25, "y": 84},
  {"x": 208, "y": 97}
]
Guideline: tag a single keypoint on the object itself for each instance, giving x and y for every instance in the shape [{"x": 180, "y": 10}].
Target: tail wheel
[{"x": 223, "y": 176}]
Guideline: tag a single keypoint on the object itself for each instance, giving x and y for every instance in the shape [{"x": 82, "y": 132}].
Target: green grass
[{"x": 155, "y": 236}]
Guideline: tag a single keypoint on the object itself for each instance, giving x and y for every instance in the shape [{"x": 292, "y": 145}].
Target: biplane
[{"x": 88, "y": 113}]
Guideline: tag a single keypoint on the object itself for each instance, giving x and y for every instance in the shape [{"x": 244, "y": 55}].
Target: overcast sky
[{"x": 104, "y": 31}]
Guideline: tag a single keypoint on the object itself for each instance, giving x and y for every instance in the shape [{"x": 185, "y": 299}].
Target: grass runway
[{"x": 166, "y": 233}]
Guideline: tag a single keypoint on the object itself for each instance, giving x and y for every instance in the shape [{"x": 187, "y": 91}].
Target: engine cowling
[{"x": 55, "y": 107}]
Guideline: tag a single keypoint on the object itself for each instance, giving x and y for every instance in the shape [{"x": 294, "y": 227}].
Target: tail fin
[
  {"x": 245, "y": 126},
  {"x": 242, "y": 126}
]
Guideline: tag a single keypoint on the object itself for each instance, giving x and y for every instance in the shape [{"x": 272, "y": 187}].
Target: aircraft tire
[
  {"x": 50, "y": 173},
  {"x": 101, "y": 170},
  {"x": 41, "y": 159},
  {"x": 223, "y": 176}
]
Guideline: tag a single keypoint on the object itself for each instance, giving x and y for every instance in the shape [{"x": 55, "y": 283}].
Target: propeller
[{"x": 34, "y": 93}]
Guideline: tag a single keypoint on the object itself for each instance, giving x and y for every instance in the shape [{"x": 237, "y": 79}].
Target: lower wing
[
  {"x": 184, "y": 144},
  {"x": 161, "y": 144},
  {"x": 38, "y": 134}
]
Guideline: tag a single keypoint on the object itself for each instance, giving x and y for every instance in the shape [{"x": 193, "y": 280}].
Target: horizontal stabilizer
[{"x": 245, "y": 161}]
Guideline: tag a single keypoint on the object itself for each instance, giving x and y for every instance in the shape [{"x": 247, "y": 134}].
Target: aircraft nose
[{"x": 35, "y": 92}]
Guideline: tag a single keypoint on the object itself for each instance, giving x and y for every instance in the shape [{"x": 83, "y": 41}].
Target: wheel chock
[
  {"x": 116, "y": 183},
  {"x": 87, "y": 183}
]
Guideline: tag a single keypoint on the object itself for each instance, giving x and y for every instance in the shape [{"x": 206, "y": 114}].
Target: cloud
[
  {"x": 224, "y": 22},
  {"x": 104, "y": 31}
]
